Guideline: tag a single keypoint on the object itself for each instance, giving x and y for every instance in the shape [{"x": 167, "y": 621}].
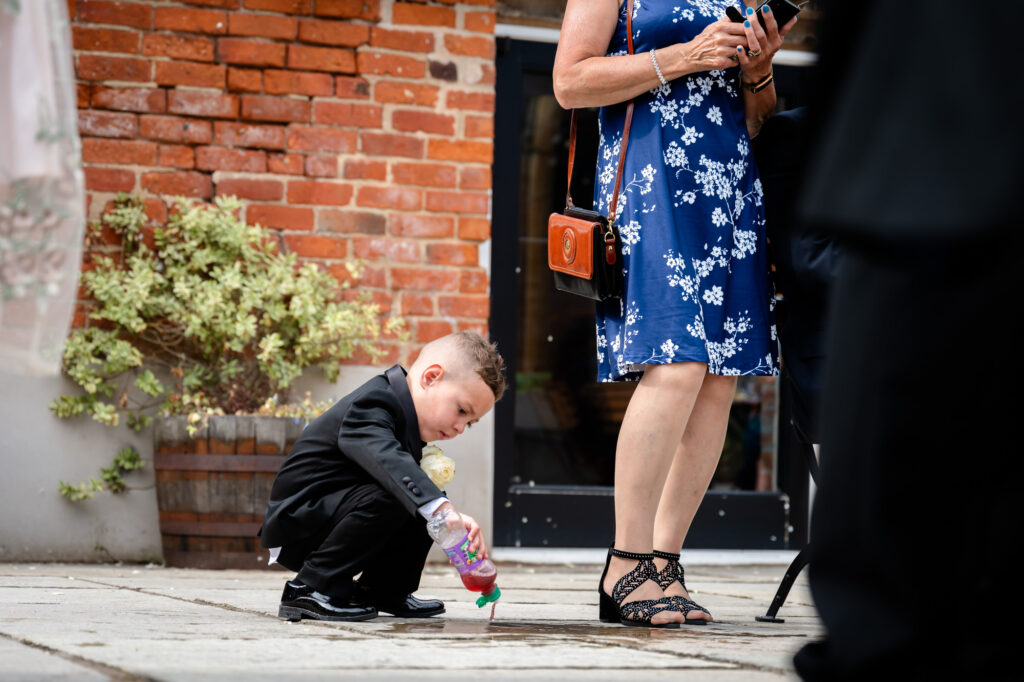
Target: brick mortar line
[
  {"x": 439, "y": 108},
  {"x": 213, "y": 37}
]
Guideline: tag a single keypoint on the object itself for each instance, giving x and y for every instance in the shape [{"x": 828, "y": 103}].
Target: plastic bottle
[{"x": 478, "y": 575}]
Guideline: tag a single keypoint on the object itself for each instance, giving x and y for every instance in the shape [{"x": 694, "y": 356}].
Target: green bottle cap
[{"x": 493, "y": 595}]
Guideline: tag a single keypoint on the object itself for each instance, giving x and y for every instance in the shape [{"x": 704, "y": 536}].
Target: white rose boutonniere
[{"x": 439, "y": 468}]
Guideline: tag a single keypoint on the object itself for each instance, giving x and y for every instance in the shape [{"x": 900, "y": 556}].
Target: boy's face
[{"x": 445, "y": 405}]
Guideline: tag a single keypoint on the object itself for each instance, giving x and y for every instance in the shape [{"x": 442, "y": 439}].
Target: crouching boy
[{"x": 351, "y": 497}]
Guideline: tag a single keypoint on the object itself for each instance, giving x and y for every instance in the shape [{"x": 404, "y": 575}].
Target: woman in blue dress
[{"x": 698, "y": 304}]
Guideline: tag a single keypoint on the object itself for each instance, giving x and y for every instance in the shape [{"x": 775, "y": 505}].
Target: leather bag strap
[{"x": 625, "y": 135}]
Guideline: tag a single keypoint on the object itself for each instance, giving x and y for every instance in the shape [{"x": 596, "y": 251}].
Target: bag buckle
[{"x": 609, "y": 244}]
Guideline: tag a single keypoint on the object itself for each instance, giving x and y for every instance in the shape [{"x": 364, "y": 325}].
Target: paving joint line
[{"x": 110, "y": 671}]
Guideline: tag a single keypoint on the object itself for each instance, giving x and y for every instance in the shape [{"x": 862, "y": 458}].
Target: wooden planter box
[{"x": 212, "y": 488}]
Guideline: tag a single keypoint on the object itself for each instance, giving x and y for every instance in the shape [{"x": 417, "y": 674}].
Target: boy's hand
[{"x": 476, "y": 538}]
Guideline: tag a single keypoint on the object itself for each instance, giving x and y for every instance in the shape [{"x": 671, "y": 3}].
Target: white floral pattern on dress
[{"x": 690, "y": 213}]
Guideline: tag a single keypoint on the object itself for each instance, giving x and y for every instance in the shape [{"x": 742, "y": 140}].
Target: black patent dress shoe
[
  {"x": 400, "y": 607},
  {"x": 301, "y": 601}
]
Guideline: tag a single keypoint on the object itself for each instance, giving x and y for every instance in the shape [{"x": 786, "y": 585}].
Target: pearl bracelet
[{"x": 657, "y": 69}]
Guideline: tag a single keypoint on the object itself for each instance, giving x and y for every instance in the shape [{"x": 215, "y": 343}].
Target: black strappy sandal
[
  {"x": 673, "y": 572},
  {"x": 635, "y": 613}
]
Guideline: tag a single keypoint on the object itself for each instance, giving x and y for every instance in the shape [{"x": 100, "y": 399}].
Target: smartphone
[{"x": 784, "y": 10}]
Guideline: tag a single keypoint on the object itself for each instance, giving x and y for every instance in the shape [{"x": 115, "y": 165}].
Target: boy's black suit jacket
[{"x": 370, "y": 435}]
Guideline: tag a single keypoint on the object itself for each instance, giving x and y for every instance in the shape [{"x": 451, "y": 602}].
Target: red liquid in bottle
[
  {"x": 482, "y": 580},
  {"x": 478, "y": 575},
  {"x": 479, "y": 583}
]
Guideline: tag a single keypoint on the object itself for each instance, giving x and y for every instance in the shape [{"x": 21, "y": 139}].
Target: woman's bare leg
[
  {"x": 692, "y": 469},
  {"x": 651, "y": 430}
]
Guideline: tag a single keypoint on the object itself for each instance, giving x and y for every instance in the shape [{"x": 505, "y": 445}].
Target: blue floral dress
[{"x": 690, "y": 213}]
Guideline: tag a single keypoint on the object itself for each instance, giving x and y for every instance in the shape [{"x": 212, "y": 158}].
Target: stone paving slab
[
  {"x": 95, "y": 622},
  {"x": 23, "y": 663}
]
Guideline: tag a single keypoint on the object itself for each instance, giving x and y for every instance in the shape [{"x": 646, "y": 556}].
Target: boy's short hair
[{"x": 483, "y": 357}]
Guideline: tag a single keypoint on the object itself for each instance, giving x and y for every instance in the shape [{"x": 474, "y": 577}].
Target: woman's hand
[
  {"x": 762, "y": 44},
  {"x": 476, "y": 537},
  {"x": 715, "y": 48}
]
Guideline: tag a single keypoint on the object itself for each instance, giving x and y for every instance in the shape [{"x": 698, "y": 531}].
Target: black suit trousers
[
  {"x": 370, "y": 533},
  {"x": 917, "y": 516}
]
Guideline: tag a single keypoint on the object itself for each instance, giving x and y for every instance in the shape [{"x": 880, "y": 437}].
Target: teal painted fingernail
[
  {"x": 766, "y": 9},
  {"x": 747, "y": 24},
  {"x": 739, "y": 49},
  {"x": 749, "y": 11}
]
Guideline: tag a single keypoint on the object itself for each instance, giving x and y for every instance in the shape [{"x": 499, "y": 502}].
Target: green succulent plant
[{"x": 210, "y": 319}]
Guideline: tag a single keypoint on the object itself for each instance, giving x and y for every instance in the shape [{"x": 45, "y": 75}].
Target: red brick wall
[{"x": 355, "y": 128}]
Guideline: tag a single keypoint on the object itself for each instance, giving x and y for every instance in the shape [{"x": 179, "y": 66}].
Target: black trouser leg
[
  {"x": 396, "y": 571},
  {"x": 917, "y": 513},
  {"x": 353, "y": 541}
]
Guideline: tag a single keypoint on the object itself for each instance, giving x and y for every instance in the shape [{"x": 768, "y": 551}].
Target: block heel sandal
[
  {"x": 635, "y": 613},
  {"x": 673, "y": 572}
]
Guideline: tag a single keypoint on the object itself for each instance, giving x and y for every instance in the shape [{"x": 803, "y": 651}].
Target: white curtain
[{"x": 42, "y": 200}]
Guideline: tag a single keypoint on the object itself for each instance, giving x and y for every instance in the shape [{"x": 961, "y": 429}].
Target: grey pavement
[{"x": 134, "y": 622}]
